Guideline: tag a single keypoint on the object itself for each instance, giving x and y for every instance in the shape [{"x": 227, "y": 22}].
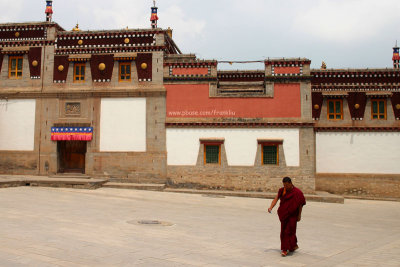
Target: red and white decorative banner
[{"x": 71, "y": 133}]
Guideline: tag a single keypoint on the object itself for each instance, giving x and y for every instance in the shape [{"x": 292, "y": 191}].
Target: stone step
[
  {"x": 151, "y": 187},
  {"x": 52, "y": 182},
  {"x": 140, "y": 178},
  {"x": 70, "y": 175}
]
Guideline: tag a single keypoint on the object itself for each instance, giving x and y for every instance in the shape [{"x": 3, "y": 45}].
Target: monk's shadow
[
  {"x": 278, "y": 251},
  {"x": 274, "y": 250}
]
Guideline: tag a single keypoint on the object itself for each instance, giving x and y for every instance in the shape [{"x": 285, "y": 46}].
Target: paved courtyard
[{"x": 72, "y": 227}]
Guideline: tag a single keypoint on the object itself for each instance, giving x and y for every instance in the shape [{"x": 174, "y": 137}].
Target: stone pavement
[{"x": 42, "y": 226}]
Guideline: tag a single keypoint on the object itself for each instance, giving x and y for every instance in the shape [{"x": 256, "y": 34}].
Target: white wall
[
  {"x": 123, "y": 124},
  {"x": 17, "y": 124},
  {"x": 358, "y": 152},
  {"x": 240, "y": 144}
]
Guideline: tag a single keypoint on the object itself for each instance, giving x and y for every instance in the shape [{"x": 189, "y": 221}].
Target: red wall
[
  {"x": 189, "y": 71},
  {"x": 192, "y": 100},
  {"x": 286, "y": 70}
]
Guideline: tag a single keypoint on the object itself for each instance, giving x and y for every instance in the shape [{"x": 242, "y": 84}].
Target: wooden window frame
[
  {"x": 270, "y": 142},
  {"x": 334, "y": 113},
  {"x": 378, "y": 100},
  {"x": 80, "y": 75},
  {"x": 277, "y": 154},
  {"x": 16, "y": 67},
  {"x": 212, "y": 142},
  {"x": 125, "y": 63},
  {"x": 219, "y": 153}
]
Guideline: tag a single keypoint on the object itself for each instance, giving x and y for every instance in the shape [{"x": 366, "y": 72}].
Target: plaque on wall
[{"x": 73, "y": 109}]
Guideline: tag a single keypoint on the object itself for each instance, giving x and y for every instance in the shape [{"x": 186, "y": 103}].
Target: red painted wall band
[
  {"x": 105, "y": 74},
  {"x": 190, "y": 71},
  {"x": 193, "y": 101},
  {"x": 286, "y": 70},
  {"x": 35, "y": 53},
  {"x": 60, "y": 75}
]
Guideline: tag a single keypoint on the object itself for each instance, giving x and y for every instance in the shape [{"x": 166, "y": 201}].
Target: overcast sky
[{"x": 343, "y": 33}]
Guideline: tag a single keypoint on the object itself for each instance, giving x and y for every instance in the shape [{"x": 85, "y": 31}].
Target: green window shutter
[
  {"x": 338, "y": 107},
  {"x": 381, "y": 107},
  {"x": 374, "y": 107},
  {"x": 270, "y": 155},
  {"x": 331, "y": 107},
  {"x": 20, "y": 64},
  {"x": 212, "y": 154}
]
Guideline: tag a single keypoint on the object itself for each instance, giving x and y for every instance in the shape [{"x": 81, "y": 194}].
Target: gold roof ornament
[
  {"x": 169, "y": 32},
  {"x": 102, "y": 66},
  {"x": 323, "y": 66},
  {"x": 76, "y": 28}
]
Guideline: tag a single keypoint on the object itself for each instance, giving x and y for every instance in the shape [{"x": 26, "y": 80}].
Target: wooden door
[{"x": 71, "y": 156}]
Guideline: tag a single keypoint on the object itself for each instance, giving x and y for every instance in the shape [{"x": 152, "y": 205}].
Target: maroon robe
[{"x": 288, "y": 213}]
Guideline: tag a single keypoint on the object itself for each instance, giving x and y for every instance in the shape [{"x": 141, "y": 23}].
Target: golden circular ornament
[
  {"x": 356, "y": 106},
  {"x": 398, "y": 106},
  {"x": 80, "y": 42},
  {"x": 35, "y": 63},
  {"x": 17, "y": 34},
  {"x": 143, "y": 66},
  {"x": 126, "y": 40},
  {"x": 316, "y": 106},
  {"x": 102, "y": 66},
  {"x": 60, "y": 68}
]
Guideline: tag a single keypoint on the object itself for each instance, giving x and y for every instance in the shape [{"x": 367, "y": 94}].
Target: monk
[{"x": 289, "y": 212}]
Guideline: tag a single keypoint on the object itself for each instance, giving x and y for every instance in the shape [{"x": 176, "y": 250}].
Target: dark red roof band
[{"x": 238, "y": 124}]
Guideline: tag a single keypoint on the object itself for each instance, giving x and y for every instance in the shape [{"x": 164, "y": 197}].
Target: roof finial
[
  {"x": 76, "y": 28},
  {"x": 154, "y": 16},
  {"x": 49, "y": 10}
]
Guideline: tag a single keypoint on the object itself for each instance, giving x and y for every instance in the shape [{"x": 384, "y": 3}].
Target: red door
[{"x": 71, "y": 156}]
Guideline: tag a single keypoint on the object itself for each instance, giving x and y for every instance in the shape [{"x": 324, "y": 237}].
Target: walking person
[{"x": 291, "y": 204}]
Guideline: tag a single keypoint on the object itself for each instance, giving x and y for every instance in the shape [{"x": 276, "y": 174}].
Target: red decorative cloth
[
  {"x": 288, "y": 213},
  {"x": 71, "y": 133},
  {"x": 154, "y": 17},
  {"x": 49, "y": 10}
]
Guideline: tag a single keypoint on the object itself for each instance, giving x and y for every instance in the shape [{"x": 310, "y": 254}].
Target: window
[
  {"x": 212, "y": 150},
  {"x": 125, "y": 71},
  {"x": 212, "y": 154},
  {"x": 79, "y": 72},
  {"x": 270, "y": 151},
  {"x": 270, "y": 154},
  {"x": 378, "y": 109},
  {"x": 15, "y": 67},
  {"x": 335, "y": 109}
]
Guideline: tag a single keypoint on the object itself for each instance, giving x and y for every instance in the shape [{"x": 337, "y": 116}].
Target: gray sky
[{"x": 343, "y": 33}]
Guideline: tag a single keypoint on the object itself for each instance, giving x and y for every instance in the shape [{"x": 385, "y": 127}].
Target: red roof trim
[
  {"x": 357, "y": 129},
  {"x": 237, "y": 124}
]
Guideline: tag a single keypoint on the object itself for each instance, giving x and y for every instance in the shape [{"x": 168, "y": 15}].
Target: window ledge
[
  {"x": 212, "y": 140},
  {"x": 270, "y": 141}
]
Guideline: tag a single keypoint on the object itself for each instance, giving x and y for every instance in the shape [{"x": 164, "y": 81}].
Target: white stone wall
[
  {"x": 123, "y": 125},
  {"x": 17, "y": 124},
  {"x": 240, "y": 144},
  {"x": 358, "y": 152}
]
